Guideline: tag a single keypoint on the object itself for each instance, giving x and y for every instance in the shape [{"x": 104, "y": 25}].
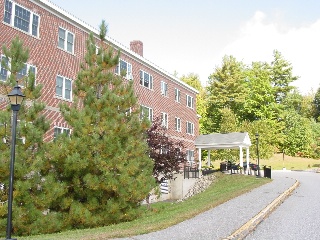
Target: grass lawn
[
  {"x": 164, "y": 214},
  {"x": 290, "y": 163}
]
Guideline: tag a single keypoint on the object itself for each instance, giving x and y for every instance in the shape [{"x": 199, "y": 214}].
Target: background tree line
[{"x": 259, "y": 98}]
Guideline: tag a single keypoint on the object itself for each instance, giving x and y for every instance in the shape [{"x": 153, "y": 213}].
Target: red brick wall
[{"x": 52, "y": 61}]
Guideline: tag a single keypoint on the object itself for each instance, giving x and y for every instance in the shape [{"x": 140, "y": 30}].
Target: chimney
[{"x": 137, "y": 47}]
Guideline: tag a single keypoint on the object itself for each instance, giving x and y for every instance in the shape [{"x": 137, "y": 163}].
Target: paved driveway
[
  {"x": 298, "y": 217},
  {"x": 223, "y": 220}
]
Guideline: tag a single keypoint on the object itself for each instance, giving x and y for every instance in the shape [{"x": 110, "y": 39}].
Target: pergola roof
[{"x": 223, "y": 140}]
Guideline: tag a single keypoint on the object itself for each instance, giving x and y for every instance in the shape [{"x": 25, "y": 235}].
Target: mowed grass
[
  {"x": 164, "y": 214},
  {"x": 290, "y": 163}
]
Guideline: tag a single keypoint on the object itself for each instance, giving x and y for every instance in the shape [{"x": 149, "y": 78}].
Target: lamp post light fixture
[
  {"x": 257, "y": 142},
  {"x": 16, "y": 97}
]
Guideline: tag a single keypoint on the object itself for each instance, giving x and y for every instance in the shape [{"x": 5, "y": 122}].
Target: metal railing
[{"x": 190, "y": 172}]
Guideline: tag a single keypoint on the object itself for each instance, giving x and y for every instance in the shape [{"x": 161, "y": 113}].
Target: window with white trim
[
  {"x": 146, "y": 79},
  {"x": 190, "y": 156},
  {"x": 190, "y": 128},
  {"x": 189, "y": 101},
  {"x": 21, "y": 18},
  {"x": 177, "y": 124},
  {"x": 164, "y": 119},
  {"x": 61, "y": 130},
  {"x": 63, "y": 87},
  {"x": 124, "y": 68},
  {"x": 164, "y": 149},
  {"x": 146, "y": 112},
  {"x": 4, "y": 73},
  {"x": 25, "y": 71},
  {"x": 66, "y": 40},
  {"x": 177, "y": 95},
  {"x": 128, "y": 111},
  {"x": 164, "y": 88}
]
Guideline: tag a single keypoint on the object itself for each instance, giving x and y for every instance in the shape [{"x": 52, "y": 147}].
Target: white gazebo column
[
  {"x": 241, "y": 156},
  {"x": 247, "y": 158},
  {"x": 209, "y": 161},
  {"x": 200, "y": 159}
]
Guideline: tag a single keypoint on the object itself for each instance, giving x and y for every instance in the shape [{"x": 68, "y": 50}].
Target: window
[
  {"x": 24, "y": 72},
  {"x": 190, "y": 128},
  {"x": 4, "y": 74},
  {"x": 66, "y": 40},
  {"x": 146, "y": 79},
  {"x": 124, "y": 68},
  {"x": 60, "y": 130},
  {"x": 128, "y": 111},
  {"x": 164, "y": 119},
  {"x": 189, "y": 101},
  {"x": 178, "y": 124},
  {"x": 164, "y": 88},
  {"x": 146, "y": 112},
  {"x": 177, "y": 95},
  {"x": 63, "y": 87},
  {"x": 190, "y": 156},
  {"x": 21, "y": 18},
  {"x": 164, "y": 150}
]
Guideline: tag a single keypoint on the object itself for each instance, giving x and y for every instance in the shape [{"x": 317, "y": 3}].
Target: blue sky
[{"x": 192, "y": 36}]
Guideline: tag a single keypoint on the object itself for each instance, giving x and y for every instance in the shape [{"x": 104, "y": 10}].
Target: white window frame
[
  {"x": 65, "y": 40},
  {"x": 4, "y": 73},
  {"x": 128, "y": 111},
  {"x": 146, "y": 79},
  {"x": 177, "y": 124},
  {"x": 190, "y": 128},
  {"x": 32, "y": 24},
  {"x": 127, "y": 69},
  {"x": 164, "y": 88},
  {"x": 22, "y": 73},
  {"x": 63, "y": 88},
  {"x": 190, "y": 156},
  {"x": 164, "y": 120},
  {"x": 149, "y": 110},
  {"x": 189, "y": 101},
  {"x": 61, "y": 131},
  {"x": 177, "y": 95}
]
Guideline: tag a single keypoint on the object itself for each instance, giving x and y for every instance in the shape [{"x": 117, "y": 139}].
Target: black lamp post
[
  {"x": 16, "y": 98},
  {"x": 257, "y": 141}
]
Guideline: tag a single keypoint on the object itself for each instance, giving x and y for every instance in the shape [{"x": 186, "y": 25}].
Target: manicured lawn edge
[{"x": 165, "y": 214}]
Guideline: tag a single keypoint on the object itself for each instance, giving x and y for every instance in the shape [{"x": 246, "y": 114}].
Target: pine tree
[
  {"x": 103, "y": 164},
  {"x": 281, "y": 77},
  {"x": 30, "y": 199}
]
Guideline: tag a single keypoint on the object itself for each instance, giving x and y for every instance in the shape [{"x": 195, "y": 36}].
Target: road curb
[{"x": 248, "y": 227}]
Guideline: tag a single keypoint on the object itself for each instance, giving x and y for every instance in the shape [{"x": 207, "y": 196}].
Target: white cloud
[{"x": 299, "y": 45}]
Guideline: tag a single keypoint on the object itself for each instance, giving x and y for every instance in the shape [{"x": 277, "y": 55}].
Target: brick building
[{"x": 56, "y": 40}]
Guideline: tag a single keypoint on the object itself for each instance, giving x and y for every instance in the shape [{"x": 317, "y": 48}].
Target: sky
[{"x": 192, "y": 36}]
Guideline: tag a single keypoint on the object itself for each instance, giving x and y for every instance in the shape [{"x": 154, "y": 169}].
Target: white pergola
[{"x": 214, "y": 141}]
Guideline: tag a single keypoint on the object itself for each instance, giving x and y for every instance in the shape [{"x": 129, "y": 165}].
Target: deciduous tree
[{"x": 168, "y": 155}]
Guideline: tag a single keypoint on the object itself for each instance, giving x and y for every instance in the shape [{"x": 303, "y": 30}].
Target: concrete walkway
[{"x": 233, "y": 219}]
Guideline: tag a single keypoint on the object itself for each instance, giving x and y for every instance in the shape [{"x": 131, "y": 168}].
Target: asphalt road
[
  {"x": 298, "y": 217},
  {"x": 223, "y": 220}
]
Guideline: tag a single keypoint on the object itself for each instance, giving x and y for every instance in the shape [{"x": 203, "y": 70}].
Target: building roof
[
  {"x": 83, "y": 25},
  {"x": 223, "y": 140}
]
